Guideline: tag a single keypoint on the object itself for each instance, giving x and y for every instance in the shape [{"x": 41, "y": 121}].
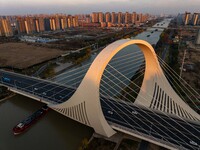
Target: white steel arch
[{"x": 84, "y": 105}]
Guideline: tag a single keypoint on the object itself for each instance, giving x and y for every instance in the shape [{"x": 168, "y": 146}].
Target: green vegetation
[
  {"x": 128, "y": 144},
  {"x": 163, "y": 41},
  {"x": 123, "y": 34},
  {"x": 84, "y": 144},
  {"x": 78, "y": 57},
  {"x": 172, "y": 59},
  {"x": 100, "y": 144},
  {"x": 4, "y": 92},
  {"x": 30, "y": 70},
  {"x": 8, "y": 39},
  {"x": 131, "y": 91},
  {"x": 82, "y": 56},
  {"x": 49, "y": 72}
]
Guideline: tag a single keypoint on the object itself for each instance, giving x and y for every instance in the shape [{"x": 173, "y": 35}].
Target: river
[{"x": 54, "y": 131}]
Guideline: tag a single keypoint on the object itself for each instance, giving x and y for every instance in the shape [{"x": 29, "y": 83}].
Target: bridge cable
[{"x": 159, "y": 102}]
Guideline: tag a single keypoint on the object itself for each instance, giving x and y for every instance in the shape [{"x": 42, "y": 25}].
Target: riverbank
[
  {"x": 7, "y": 97},
  {"x": 5, "y": 93},
  {"x": 70, "y": 61}
]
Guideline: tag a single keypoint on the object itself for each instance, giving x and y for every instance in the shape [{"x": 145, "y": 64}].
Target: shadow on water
[{"x": 25, "y": 103}]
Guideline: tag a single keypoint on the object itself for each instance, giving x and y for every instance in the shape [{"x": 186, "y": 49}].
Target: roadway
[
  {"x": 154, "y": 124},
  {"x": 47, "y": 90}
]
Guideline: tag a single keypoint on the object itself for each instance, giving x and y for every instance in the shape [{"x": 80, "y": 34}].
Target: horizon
[{"x": 23, "y": 7}]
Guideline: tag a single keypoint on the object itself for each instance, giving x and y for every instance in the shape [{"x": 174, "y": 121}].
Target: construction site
[{"x": 189, "y": 56}]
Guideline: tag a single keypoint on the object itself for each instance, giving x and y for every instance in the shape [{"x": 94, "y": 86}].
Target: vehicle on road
[
  {"x": 6, "y": 79},
  {"x": 134, "y": 112},
  {"x": 61, "y": 96},
  {"x": 35, "y": 89},
  {"x": 110, "y": 112},
  {"x": 193, "y": 143}
]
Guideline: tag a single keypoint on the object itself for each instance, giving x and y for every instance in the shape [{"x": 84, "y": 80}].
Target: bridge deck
[
  {"x": 152, "y": 124},
  {"x": 45, "y": 90},
  {"x": 141, "y": 121}
]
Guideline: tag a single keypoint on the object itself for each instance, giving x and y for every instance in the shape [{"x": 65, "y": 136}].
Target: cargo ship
[{"x": 27, "y": 123}]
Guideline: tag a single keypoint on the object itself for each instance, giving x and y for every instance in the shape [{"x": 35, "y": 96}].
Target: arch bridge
[{"x": 158, "y": 114}]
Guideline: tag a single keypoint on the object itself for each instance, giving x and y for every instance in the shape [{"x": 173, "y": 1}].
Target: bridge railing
[
  {"x": 31, "y": 93},
  {"x": 56, "y": 97},
  {"x": 117, "y": 126}
]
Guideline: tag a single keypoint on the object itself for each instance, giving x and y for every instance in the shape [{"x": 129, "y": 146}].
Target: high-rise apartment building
[
  {"x": 144, "y": 18},
  {"x": 119, "y": 17},
  {"x": 39, "y": 24},
  {"x": 52, "y": 24},
  {"x": 127, "y": 18},
  {"x": 57, "y": 22},
  {"x": 69, "y": 21},
  {"x": 187, "y": 17},
  {"x": 30, "y": 26},
  {"x": 140, "y": 17},
  {"x": 5, "y": 28},
  {"x": 21, "y": 25},
  {"x": 101, "y": 17},
  {"x": 47, "y": 24},
  {"x": 108, "y": 17},
  {"x": 195, "y": 18},
  {"x": 134, "y": 17},
  {"x": 75, "y": 21},
  {"x": 95, "y": 17},
  {"x": 63, "y": 22},
  {"x": 113, "y": 17},
  {"x": 88, "y": 19}
]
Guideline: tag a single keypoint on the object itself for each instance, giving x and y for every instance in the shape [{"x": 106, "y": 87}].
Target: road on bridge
[{"x": 133, "y": 118}]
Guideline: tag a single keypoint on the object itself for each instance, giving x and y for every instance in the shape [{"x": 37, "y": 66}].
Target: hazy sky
[{"x": 11, "y": 7}]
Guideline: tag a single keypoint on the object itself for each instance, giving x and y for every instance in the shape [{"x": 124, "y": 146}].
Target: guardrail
[
  {"x": 161, "y": 141},
  {"x": 30, "y": 94}
]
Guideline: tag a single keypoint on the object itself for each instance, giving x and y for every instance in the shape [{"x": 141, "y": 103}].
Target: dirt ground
[
  {"x": 22, "y": 55},
  {"x": 101, "y": 144},
  {"x": 192, "y": 76}
]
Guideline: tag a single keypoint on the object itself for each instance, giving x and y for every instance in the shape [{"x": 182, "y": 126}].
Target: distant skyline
[{"x": 20, "y": 7}]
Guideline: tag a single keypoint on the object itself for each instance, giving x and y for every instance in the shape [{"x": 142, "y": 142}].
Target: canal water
[{"x": 54, "y": 131}]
